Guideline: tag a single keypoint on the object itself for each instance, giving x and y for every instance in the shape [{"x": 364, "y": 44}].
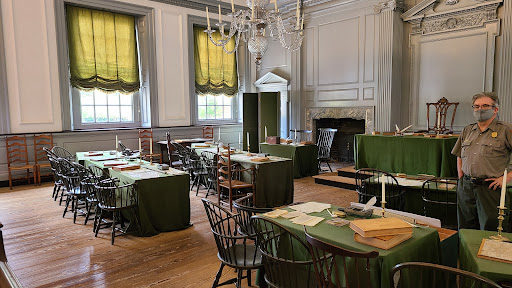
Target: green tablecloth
[
  {"x": 304, "y": 157},
  {"x": 422, "y": 247},
  {"x": 274, "y": 179},
  {"x": 470, "y": 241},
  {"x": 408, "y": 154},
  {"x": 164, "y": 202}
]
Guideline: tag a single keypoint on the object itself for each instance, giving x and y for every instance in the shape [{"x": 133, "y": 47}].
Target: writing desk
[
  {"x": 470, "y": 241},
  {"x": 274, "y": 178},
  {"x": 424, "y": 246},
  {"x": 406, "y": 154},
  {"x": 304, "y": 157},
  {"x": 164, "y": 198}
]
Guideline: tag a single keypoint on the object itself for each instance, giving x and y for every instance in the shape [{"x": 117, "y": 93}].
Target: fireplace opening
[{"x": 342, "y": 148}]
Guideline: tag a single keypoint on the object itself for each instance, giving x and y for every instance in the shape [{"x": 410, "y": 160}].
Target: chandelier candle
[
  {"x": 503, "y": 190},
  {"x": 208, "y": 18},
  {"x": 265, "y": 134},
  {"x": 275, "y": 5},
  {"x": 297, "y": 14},
  {"x": 232, "y": 7},
  {"x": 117, "y": 144}
]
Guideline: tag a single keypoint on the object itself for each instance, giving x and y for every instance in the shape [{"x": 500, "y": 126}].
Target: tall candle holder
[
  {"x": 150, "y": 159},
  {"x": 248, "y": 149},
  {"x": 383, "y": 203},
  {"x": 501, "y": 217},
  {"x": 140, "y": 157}
]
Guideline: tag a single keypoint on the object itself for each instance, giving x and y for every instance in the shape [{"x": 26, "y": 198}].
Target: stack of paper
[
  {"x": 311, "y": 207},
  {"x": 276, "y": 213},
  {"x": 307, "y": 220}
]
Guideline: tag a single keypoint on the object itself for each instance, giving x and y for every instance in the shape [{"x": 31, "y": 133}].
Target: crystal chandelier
[{"x": 251, "y": 25}]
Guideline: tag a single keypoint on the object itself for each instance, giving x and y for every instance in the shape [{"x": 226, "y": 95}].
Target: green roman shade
[
  {"x": 102, "y": 50},
  {"x": 215, "y": 70}
]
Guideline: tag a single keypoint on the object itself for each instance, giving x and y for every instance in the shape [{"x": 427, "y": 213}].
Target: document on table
[
  {"x": 143, "y": 173},
  {"x": 293, "y": 214},
  {"x": 402, "y": 181},
  {"x": 276, "y": 213},
  {"x": 307, "y": 220},
  {"x": 310, "y": 207}
]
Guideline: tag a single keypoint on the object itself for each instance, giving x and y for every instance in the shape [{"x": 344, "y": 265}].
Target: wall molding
[{"x": 504, "y": 88}]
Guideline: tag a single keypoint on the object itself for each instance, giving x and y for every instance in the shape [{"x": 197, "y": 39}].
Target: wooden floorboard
[{"x": 46, "y": 250}]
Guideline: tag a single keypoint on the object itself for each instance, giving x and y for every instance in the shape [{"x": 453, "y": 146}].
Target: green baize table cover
[
  {"x": 304, "y": 157},
  {"x": 164, "y": 201}
]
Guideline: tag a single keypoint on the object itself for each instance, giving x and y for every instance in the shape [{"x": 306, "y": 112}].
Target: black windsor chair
[
  {"x": 324, "y": 143},
  {"x": 440, "y": 200},
  {"x": 369, "y": 184}
]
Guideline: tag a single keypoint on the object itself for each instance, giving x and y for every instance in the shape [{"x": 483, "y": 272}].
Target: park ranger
[{"x": 483, "y": 152}]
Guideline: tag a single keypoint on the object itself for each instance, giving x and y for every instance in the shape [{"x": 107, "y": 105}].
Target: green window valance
[
  {"x": 215, "y": 70},
  {"x": 102, "y": 50}
]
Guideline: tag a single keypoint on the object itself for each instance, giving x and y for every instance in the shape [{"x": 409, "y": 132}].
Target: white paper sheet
[{"x": 310, "y": 207}]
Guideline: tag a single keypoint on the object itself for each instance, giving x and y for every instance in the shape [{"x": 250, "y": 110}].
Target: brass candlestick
[
  {"x": 501, "y": 215},
  {"x": 150, "y": 159},
  {"x": 248, "y": 150},
  {"x": 383, "y": 202}
]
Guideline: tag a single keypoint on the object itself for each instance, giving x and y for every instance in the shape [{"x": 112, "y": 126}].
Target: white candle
[
  {"x": 302, "y": 22},
  {"x": 265, "y": 133},
  {"x": 232, "y": 7},
  {"x": 275, "y": 5},
  {"x": 207, "y": 18},
  {"x": 219, "y": 133},
  {"x": 366, "y": 122},
  {"x": 252, "y": 10},
  {"x": 117, "y": 144},
  {"x": 247, "y": 139},
  {"x": 439, "y": 120},
  {"x": 140, "y": 146},
  {"x": 503, "y": 190},
  {"x": 150, "y": 145},
  {"x": 295, "y": 135},
  {"x": 239, "y": 138},
  {"x": 297, "y": 14},
  {"x": 220, "y": 15},
  {"x": 383, "y": 188}
]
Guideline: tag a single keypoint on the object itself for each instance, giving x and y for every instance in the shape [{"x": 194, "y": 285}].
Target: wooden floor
[{"x": 46, "y": 250}]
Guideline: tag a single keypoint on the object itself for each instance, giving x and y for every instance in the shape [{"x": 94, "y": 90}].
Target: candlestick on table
[
  {"x": 295, "y": 138},
  {"x": 501, "y": 210},
  {"x": 265, "y": 134},
  {"x": 140, "y": 151},
  {"x": 117, "y": 145},
  {"x": 503, "y": 190},
  {"x": 439, "y": 122},
  {"x": 383, "y": 201}
]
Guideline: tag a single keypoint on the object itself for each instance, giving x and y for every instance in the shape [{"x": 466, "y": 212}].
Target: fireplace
[{"x": 348, "y": 120}]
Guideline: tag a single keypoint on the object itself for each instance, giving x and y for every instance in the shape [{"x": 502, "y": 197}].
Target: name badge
[{"x": 494, "y": 134}]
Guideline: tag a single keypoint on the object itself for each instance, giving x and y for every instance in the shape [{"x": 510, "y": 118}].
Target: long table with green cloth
[
  {"x": 470, "y": 241},
  {"x": 424, "y": 246},
  {"x": 406, "y": 154},
  {"x": 163, "y": 200},
  {"x": 274, "y": 178},
  {"x": 304, "y": 157}
]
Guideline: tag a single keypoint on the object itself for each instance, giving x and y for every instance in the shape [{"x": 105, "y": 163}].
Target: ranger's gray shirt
[{"x": 485, "y": 154}]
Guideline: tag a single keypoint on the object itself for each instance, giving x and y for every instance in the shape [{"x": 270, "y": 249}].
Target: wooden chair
[
  {"x": 208, "y": 132},
  {"x": 17, "y": 158},
  {"x": 146, "y": 139},
  {"x": 246, "y": 209},
  {"x": 234, "y": 250},
  {"x": 54, "y": 166},
  {"x": 72, "y": 176},
  {"x": 324, "y": 143},
  {"x": 61, "y": 152},
  {"x": 440, "y": 200},
  {"x": 331, "y": 262},
  {"x": 441, "y": 109},
  {"x": 40, "y": 155},
  {"x": 229, "y": 177},
  {"x": 210, "y": 164},
  {"x": 419, "y": 274},
  {"x": 172, "y": 153},
  {"x": 115, "y": 198},
  {"x": 369, "y": 184},
  {"x": 286, "y": 258}
]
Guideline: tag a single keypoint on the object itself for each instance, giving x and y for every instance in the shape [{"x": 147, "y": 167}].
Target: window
[
  {"x": 216, "y": 79},
  {"x": 110, "y": 97},
  {"x": 211, "y": 107}
]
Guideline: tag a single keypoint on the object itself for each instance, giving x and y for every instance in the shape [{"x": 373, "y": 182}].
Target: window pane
[
  {"x": 210, "y": 112},
  {"x": 201, "y": 100},
  {"x": 113, "y": 98},
  {"x": 219, "y": 112},
  {"x": 126, "y": 99},
  {"x": 100, "y": 98},
  {"x": 210, "y": 99},
  {"x": 126, "y": 114},
  {"x": 201, "y": 112},
  {"x": 227, "y": 112},
  {"x": 227, "y": 100},
  {"x": 113, "y": 114},
  {"x": 86, "y": 98},
  {"x": 87, "y": 114},
  {"x": 101, "y": 113}
]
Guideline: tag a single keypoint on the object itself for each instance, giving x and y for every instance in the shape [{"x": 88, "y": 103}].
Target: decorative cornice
[
  {"x": 213, "y": 6},
  {"x": 394, "y": 5},
  {"x": 463, "y": 18}
]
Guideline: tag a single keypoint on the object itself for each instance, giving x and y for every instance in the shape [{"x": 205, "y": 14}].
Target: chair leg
[
  {"x": 10, "y": 180},
  {"x": 239, "y": 276},
  {"x": 217, "y": 277},
  {"x": 249, "y": 277},
  {"x": 113, "y": 227},
  {"x": 54, "y": 190},
  {"x": 327, "y": 162},
  {"x": 88, "y": 213},
  {"x": 100, "y": 218},
  {"x": 67, "y": 205}
]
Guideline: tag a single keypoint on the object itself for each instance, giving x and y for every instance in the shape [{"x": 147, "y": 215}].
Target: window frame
[
  {"x": 147, "y": 65},
  {"x": 199, "y": 21}
]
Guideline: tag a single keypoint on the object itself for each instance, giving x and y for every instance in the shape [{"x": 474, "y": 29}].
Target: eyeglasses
[{"x": 485, "y": 106}]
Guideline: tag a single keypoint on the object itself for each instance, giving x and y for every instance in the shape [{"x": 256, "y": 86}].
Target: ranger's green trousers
[{"x": 477, "y": 206}]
